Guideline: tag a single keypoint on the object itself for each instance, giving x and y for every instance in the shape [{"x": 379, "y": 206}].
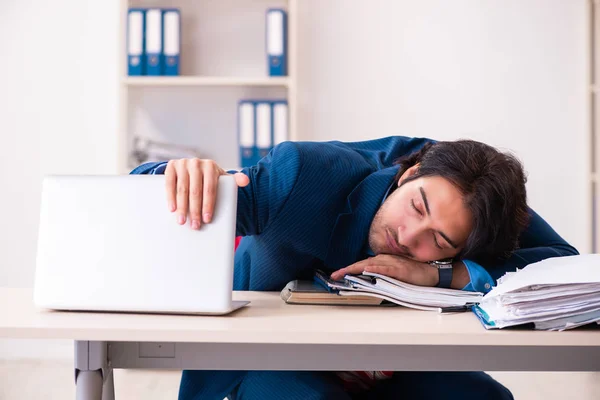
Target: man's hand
[
  {"x": 191, "y": 184},
  {"x": 397, "y": 267}
]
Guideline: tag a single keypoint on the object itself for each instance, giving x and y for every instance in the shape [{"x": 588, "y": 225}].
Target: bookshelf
[
  {"x": 594, "y": 104},
  {"x": 204, "y": 81},
  {"x": 223, "y": 60}
]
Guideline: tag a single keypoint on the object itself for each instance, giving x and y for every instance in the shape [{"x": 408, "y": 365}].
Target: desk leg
[
  {"x": 89, "y": 385},
  {"x": 92, "y": 371},
  {"x": 108, "y": 390}
]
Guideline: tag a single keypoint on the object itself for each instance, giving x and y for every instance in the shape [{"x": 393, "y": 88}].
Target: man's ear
[{"x": 408, "y": 173}]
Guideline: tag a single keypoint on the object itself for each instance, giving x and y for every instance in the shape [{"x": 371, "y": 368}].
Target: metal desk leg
[
  {"x": 89, "y": 385},
  {"x": 108, "y": 391},
  {"x": 92, "y": 371}
]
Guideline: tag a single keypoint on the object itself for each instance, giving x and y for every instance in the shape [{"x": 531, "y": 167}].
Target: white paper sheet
[{"x": 552, "y": 271}]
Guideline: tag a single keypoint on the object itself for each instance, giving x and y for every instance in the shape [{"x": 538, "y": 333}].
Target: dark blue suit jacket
[{"x": 310, "y": 205}]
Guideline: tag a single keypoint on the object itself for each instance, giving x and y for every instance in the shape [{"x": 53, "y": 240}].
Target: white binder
[
  {"x": 135, "y": 42},
  {"x": 154, "y": 42},
  {"x": 246, "y": 133},
  {"x": 263, "y": 128},
  {"x": 276, "y": 41},
  {"x": 172, "y": 38},
  {"x": 280, "y": 122}
]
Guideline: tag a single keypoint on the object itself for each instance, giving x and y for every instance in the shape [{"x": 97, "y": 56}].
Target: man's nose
[{"x": 408, "y": 235}]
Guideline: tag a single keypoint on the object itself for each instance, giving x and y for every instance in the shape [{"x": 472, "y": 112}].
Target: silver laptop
[{"x": 109, "y": 243}]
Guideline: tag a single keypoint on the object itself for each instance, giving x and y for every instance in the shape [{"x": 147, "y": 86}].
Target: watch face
[{"x": 442, "y": 263}]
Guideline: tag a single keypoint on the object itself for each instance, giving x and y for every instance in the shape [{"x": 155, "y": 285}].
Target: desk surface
[{"x": 269, "y": 320}]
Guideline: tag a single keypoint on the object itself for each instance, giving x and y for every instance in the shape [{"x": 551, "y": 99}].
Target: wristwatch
[{"x": 445, "y": 272}]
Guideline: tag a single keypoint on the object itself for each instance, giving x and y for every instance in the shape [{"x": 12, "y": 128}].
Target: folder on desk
[
  {"x": 554, "y": 294},
  {"x": 135, "y": 41},
  {"x": 264, "y": 132},
  {"x": 172, "y": 41},
  {"x": 154, "y": 42},
  {"x": 280, "y": 122},
  {"x": 246, "y": 133},
  {"x": 276, "y": 33}
]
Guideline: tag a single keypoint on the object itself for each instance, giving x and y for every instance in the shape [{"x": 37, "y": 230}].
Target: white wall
[
  {"x": 58, "y": 92},
  {"x": 58, "y": 115},
  {"x": 511, "y": 73}
]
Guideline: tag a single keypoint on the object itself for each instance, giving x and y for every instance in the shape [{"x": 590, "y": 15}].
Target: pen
[{"x": 453, "y": 309}]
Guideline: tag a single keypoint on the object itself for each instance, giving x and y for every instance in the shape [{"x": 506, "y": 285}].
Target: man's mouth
[{"x": 392, "y": 243}]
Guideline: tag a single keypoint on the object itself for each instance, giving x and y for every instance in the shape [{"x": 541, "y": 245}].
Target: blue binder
[
  {"x": 135, "y": 41},
  {"x": 264, "y": 130},
  {"x": 276, "y": 38},
  {"x": 154, "y": 42},
  {"x": 280, "y": 122},
  {"x": 172, "y": 40},
  {"x": 247, "y": 133}
]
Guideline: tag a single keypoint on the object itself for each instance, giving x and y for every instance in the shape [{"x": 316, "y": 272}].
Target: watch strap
[{"x": 445, "y": 276}]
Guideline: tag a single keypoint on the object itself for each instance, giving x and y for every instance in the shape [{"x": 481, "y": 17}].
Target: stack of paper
[
  {"x": 405, "y": 294},
  {"x": 555, "y": 294}
]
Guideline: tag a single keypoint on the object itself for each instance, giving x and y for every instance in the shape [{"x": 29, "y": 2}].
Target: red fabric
[
  {"x": 353, "y": 380},
  {"x": 357, "y": 381}
]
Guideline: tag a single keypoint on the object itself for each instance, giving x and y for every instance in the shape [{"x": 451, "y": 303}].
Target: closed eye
[
  {"x": 426, "y": 203},
  {"x": 412, "y": 204},
  {"x": 436, "y": 242},
  {"x": 414, "y": 207}
]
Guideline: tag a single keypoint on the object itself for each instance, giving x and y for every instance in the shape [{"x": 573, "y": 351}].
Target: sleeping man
[{"x": 448, "y": 214}]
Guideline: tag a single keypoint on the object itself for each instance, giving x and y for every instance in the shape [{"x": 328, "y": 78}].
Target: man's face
[{"x": 424, "y": 219}]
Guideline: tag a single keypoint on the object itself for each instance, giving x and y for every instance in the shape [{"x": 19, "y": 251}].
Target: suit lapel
[{"x": 351, "y": 229}]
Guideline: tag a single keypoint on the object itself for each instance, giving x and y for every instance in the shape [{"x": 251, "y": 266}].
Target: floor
[{"x": 53, "y": 379}]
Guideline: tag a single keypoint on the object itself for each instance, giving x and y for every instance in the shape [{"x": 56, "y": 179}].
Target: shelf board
[{"x": 204, "y": 81}]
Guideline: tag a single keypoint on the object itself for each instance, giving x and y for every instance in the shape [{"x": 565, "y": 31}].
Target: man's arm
[
  {"x": 382, "y": 153},
  {"x": 271, "y": 182},
  {"x": 538, "y": 242},
  {"x": 150, "y": 168}
]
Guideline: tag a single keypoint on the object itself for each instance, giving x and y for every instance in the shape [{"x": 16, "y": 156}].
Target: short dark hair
[{"x": 493, "y": 186}]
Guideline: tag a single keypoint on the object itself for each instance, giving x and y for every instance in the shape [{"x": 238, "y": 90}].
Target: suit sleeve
[
  {"x": 150, "y": 168},
  {"x": 538, "y": 242},
  {"x": 272, "y": 180},
  {"x": 381, "y": 153}
]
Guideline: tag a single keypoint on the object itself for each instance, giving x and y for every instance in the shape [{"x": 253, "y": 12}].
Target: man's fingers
[
  {"x": 356, "y": 268},
  {"x": 396, "y": 272},
  {"x": 209, "y": 191},
  {"x": 195, "y": 196},
  {"x": 378, "y": 264},
  {"x": 241, "y": 179},
  {"x": 339, "y": 274},
  {"x": 183, "y": 191},
  {"x": 191, "y": 186},
  {"x": 170, "y": 185},
  {"x": 378, "y": 269}
]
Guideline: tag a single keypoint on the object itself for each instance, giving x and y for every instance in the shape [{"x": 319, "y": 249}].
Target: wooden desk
[{"x": 271, "y": 335}]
